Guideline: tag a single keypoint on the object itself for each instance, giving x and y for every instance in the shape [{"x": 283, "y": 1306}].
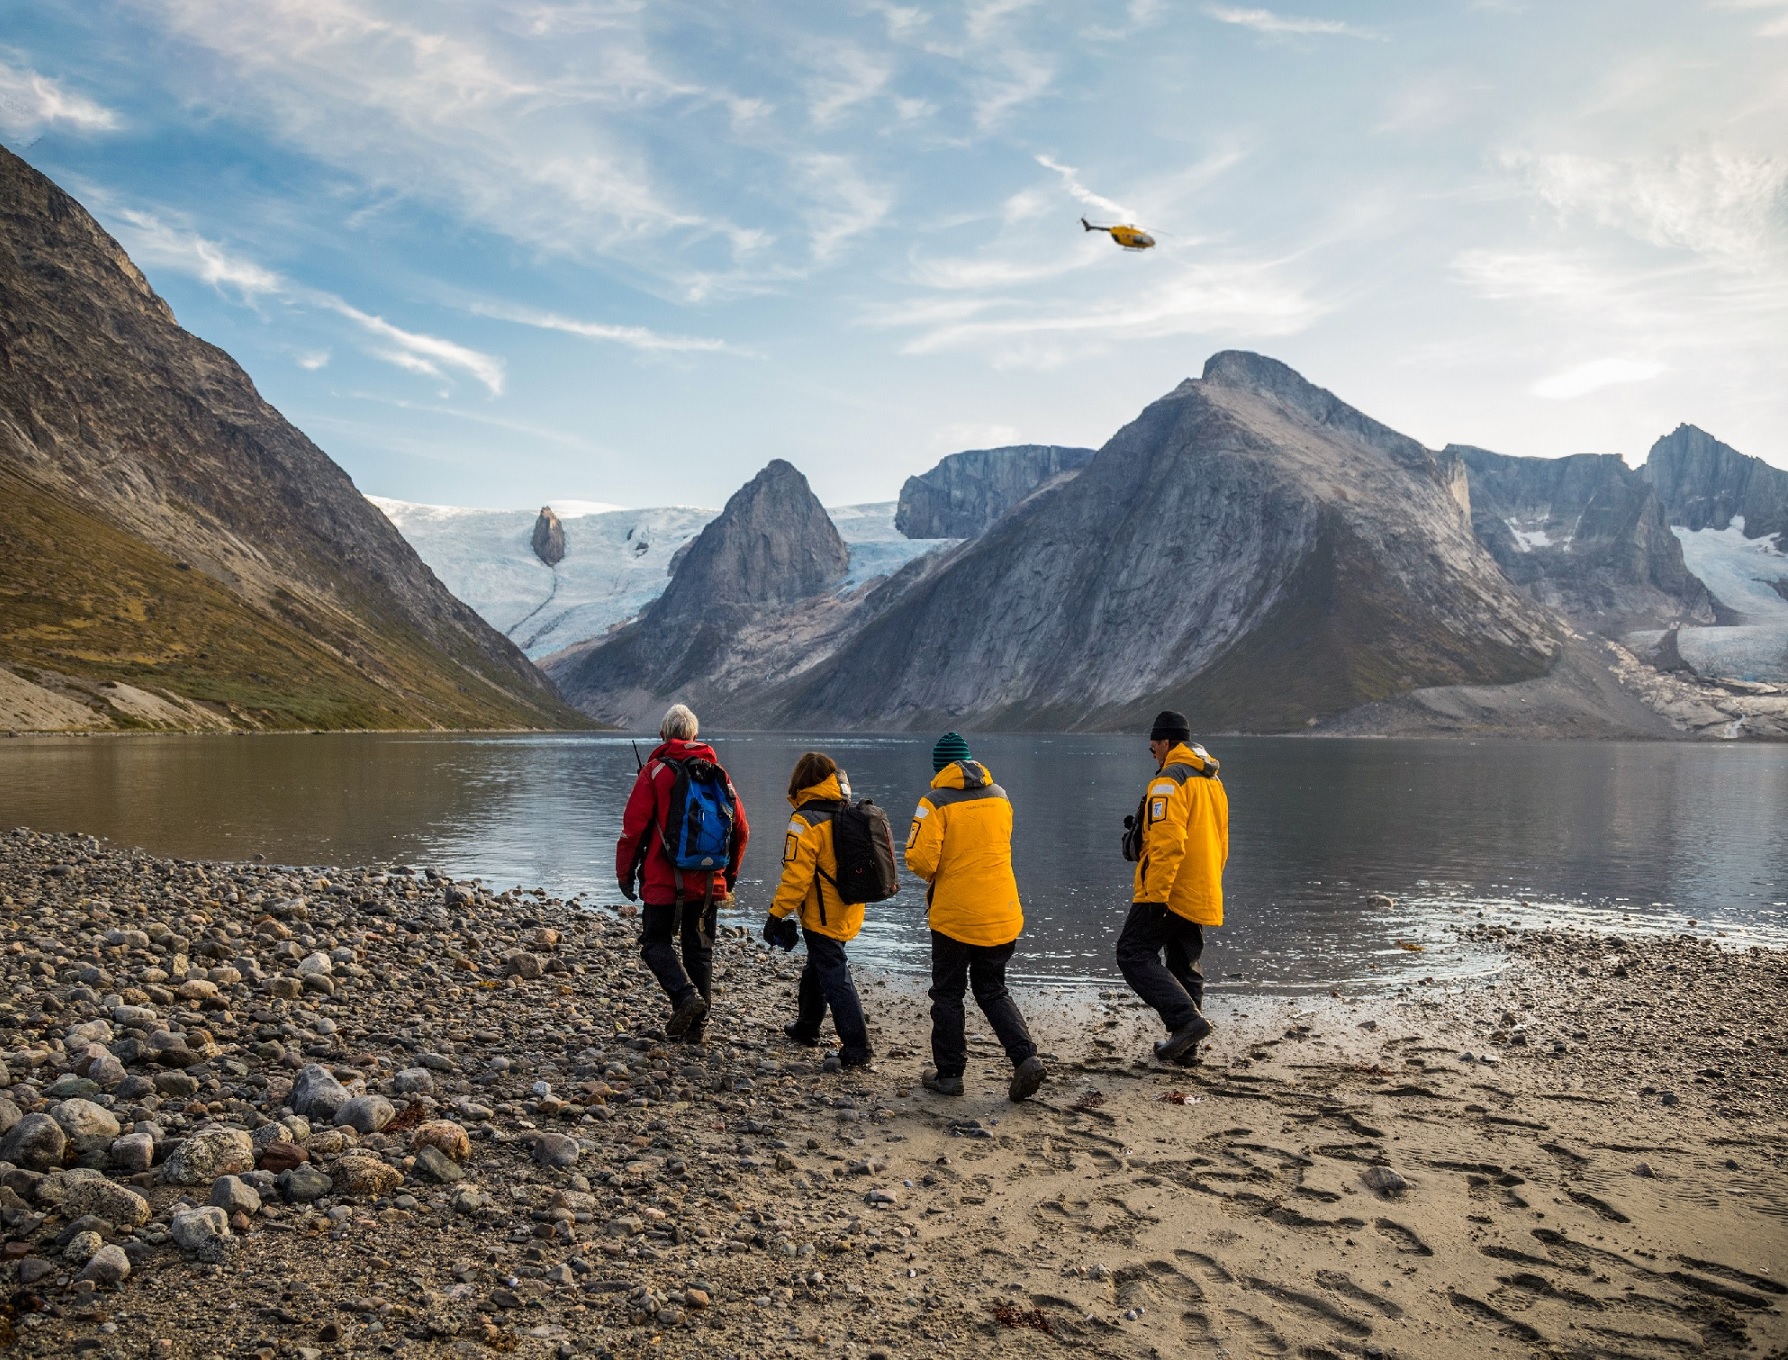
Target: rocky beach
[{"x": 253, "y": 1110}]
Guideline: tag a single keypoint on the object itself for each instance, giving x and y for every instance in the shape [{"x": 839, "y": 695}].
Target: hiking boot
[
  {"x": 856, "y": 1063},
  {"x": 686, "y": 1017},
  {"x": 944, "y": 1086},
  {"x": 1187, "y": 1036},
  {"x": 1026, "y": 1078},
  {"x": 796, "y": 1035},
  {"x": 1188, "y": 1059}
]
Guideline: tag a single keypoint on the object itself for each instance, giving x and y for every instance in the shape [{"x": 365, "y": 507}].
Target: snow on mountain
[
  {"x": 1747, "y": 576},
  {"x": 617, "y": 561}
]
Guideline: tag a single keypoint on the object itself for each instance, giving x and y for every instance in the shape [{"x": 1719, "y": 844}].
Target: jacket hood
[
  {"x": 1189, "y": 753},
  {"x": 962, "y": 774},
  {"x": 678, "y": 749},
  {"x": 827, "y": 789}
]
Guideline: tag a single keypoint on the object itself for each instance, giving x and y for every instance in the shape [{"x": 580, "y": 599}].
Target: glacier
[
  {"x": 1747, "y": 576},
  {"x": 617, "y": 561}
]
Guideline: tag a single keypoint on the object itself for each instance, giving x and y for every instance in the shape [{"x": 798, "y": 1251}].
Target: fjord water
[{"x": 1622, "y": 836}]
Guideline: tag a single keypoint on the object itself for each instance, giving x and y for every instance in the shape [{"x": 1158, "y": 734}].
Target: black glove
[
  {"x": 781, "y": 931},
  {"x": 627, "y": 888}
]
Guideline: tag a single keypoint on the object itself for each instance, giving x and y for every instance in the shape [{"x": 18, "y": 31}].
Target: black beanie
[{"x": 1170, "y": 726}]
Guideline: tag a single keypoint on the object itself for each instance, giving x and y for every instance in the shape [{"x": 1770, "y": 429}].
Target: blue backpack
[{"x": 698, "y": 833}]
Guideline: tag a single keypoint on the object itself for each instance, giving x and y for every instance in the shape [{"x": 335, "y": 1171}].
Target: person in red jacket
[{"x": 675, "y": 903}]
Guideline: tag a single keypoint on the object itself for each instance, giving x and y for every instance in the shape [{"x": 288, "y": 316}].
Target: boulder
[
  {"x": 317, "y": 1094},
  {"x": 234, "y": 1195},
  {"x": 108, "y": 1267},
  {"x": 360, "y": 1175},
  {"x": 117, "y": 1204},
  {"x": 555, "y": 1150},
  {"x": 437, "y": 1166},
  {"x": 133, "y": 1152},
  {"x": 205, "y": 1155},
  {"x": 36, "y": 1143},
  {"x": 84, "y": 1122},
  {"x": 303, "y": 1183},
  {"x": 366, "y": 1114},
  {"x": 444, "y": 1134},
  {"x": 203, "y": 1232}
]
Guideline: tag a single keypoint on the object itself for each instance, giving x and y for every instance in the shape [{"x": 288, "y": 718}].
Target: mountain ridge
[{"x": 112, "y": 415}]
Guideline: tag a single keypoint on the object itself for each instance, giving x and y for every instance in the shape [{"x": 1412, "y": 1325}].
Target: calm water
[{"x": 1635, "y": 837}]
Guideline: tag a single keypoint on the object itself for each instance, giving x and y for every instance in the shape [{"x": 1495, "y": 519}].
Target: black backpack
[{"x": 863, "y": 845}]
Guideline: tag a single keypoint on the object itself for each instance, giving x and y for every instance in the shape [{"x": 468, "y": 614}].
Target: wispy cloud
[
  {"x": 1266, "y": 21},
  {"x": 153, "y": 241},
  {"x": 1583, "y": 379},
  {"x": 1071, "y": 182},
  {"x": 1231, "y": 298},
  {"x": 1715, "y": 202},
  {"x": 418, "y": 352},
  {"x": 157, "y": 242},
  {"x": 30, "y": 102},
  {"x": 634, "y": 337}
]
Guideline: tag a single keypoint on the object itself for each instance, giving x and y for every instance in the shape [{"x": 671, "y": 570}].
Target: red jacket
[{"x": 648, "y": 806}]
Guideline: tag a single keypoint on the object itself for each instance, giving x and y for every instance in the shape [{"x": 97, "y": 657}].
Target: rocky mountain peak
[
  {"x": 966, "y": 492},
  {"x": 549, "y": 537},
  {"x": 774, "y": 543},
  {"x": 1704, "y": 484}
]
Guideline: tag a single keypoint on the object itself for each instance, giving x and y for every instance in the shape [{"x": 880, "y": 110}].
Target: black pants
[
  {"x": 1176, "y": 989},
  {"x": 658, "y": 927},
  {"x": 955, "y": 968},
  {"x": 826, "y": 981}
]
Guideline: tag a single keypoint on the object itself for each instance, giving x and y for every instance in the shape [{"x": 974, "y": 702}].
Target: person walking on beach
[
  {"x": 1179, "y": 842},
  {"x": 819, "y": 791},
  {"x": 961, "y": 844},
  {"x": 682, "y": 838}
]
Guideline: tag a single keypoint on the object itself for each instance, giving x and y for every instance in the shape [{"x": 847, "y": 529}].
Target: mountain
[
  {"x": 1585, "y": 535},
  {"x": 1249, "y": 549},
  {"x": 772, "y": 547},
  {"x": 1729, "y": 512},
  {"x": 1705, "y": 484},
  {"x": 172, "y": 551},
  {"x": 966, "y": 492}
]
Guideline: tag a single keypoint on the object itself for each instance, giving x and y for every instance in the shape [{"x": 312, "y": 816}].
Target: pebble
[
  {"x": 1381, "y": 1180},
  {"x": 234, "y": 1195},
  {"x": 555, "y": 1150}
]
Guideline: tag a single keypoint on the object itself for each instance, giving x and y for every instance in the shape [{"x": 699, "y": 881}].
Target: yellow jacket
[
  {"x": 810, "y": 869},
  {"x": 961, "y": 843},
  {"x": 1186, "y": 838}
]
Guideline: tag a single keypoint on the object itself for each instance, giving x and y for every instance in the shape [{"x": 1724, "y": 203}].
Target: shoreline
[{"x": 1606, "y": 1173}]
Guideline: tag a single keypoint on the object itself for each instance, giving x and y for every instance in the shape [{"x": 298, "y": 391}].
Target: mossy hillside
[{"x": 81, "y": 598}]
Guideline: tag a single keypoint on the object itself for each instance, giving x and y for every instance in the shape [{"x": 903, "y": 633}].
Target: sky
[{"x": 503, "y": 252}]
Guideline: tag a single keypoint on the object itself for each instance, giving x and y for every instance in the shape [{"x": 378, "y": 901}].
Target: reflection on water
[{"x": 1606, "y": 835}]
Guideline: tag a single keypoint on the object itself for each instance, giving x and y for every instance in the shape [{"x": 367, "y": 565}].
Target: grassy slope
[{"x": 79, "y": 597}]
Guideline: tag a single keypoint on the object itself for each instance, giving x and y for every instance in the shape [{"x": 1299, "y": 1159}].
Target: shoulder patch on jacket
[{"x": 791, "y": 846}]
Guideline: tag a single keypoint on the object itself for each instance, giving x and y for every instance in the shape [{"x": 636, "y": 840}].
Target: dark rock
[
  {"x": 35, "y": 1143},
  {"x": 303, "y": 1184},
  {"x": 966, "y": 492},
  {"x": 549, "y": 537}
]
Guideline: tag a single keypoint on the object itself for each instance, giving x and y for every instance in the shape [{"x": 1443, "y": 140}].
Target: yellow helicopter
[{"x": 1130, "y": 238}]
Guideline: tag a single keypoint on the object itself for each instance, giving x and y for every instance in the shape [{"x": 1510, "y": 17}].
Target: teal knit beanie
[{"x": 950, "y": 747}]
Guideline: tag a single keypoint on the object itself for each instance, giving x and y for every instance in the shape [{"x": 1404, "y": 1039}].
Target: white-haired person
[{"x": 679, "y": 901}]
